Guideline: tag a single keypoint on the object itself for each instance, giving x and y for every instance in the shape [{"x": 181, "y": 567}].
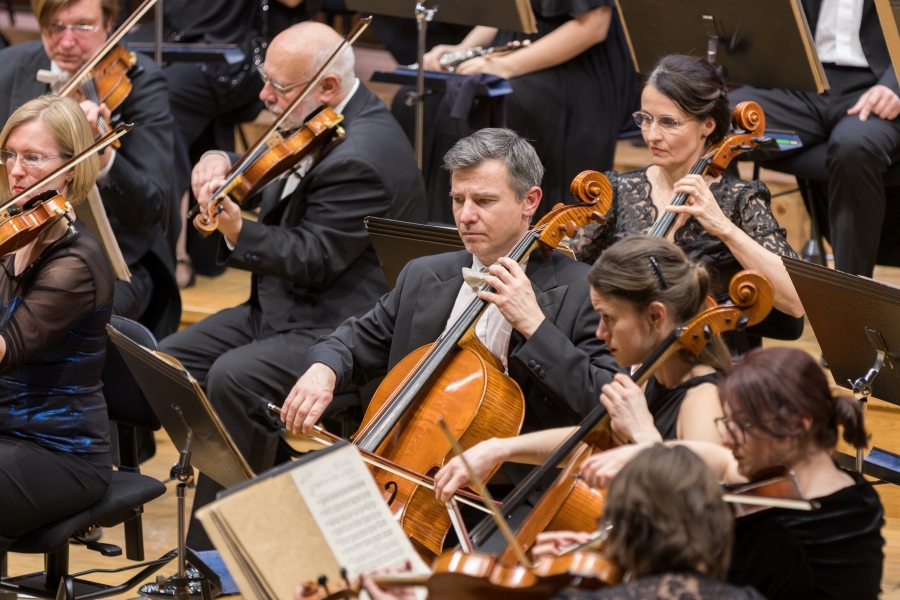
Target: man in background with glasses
[
  {"x": 312, "y": 261},
  {"x": 133, "y": 181}
]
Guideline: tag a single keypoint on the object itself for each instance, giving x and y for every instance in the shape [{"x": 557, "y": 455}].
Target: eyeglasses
[
  {"x": 29, "y": 161},
  {"x": 732, "y": 429},
  {"x": 280, "y": 88},
  {"x": 644, "y": 121},
  {"x": 57, "y": 28}
]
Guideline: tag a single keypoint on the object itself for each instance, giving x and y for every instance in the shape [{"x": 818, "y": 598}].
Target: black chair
[{"x": 123, "y": 502}]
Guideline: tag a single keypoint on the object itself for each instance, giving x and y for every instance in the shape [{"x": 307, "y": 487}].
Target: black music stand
[
  {"x": 764, "y": 43},
  {"x": 514, "y": 15},
  {"x": 857, "y": 323},
  {"x": 889, "y": 16},
  {"x": 191, "y": 423}
]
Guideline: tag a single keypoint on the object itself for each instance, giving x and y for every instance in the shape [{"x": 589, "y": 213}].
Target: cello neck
[
  {"x": 442, "y": 350},
  {"x": 663, "y": 225}
]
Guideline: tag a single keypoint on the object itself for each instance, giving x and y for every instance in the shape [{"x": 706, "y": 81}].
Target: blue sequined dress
[{"x": 54, "y": 324}]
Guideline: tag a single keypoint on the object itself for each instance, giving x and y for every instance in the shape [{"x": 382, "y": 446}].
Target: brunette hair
[
  {"x": 774, "y": 388},
  {"x": 45, "y": 10},
  {"x": 666, "y": 513},
  {"x": 697, "y": 87},
  {"x": 626, "y": 271},
  {"x": 70, "y": 130}
]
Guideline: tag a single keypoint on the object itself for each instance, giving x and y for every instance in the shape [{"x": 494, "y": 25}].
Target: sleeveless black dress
[{"x": 665, "y": 403}]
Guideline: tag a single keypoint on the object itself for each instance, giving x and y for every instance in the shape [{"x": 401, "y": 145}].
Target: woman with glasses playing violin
[
  {"x": 779, "y": 411},
  {"x": 134, "y": 180},
  {"x": 56, "y": 294},
  {"x": 726, "y": 223}
]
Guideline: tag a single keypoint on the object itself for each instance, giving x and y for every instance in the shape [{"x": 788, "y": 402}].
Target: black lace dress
[
  {"x": 746, "y": 203},
  {"x": 681, "y": 585}
]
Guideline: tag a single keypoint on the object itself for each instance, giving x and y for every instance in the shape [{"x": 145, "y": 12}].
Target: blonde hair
[
  {"x": 67, "y": 124},
  {"x": 45, "y": 9}
]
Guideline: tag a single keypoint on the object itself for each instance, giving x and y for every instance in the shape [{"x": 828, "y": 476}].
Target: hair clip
[{"x": 658, "y": 272}]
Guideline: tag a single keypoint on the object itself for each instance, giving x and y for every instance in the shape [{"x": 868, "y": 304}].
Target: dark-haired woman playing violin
[
  {"x": 56, "y": 294},
  {"x": 779, "y": 411},
  {"x": 726, "y": 223}
]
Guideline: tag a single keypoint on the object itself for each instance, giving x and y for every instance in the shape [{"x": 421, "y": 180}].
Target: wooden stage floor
[{"x": 211, "y": 295}]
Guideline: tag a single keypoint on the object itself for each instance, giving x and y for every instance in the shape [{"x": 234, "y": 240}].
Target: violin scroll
[
  {"x": 590, "y": 187},
  {"x": 749, "y": 123},
  {"x": 749, "y": 117},
  {"x": 753, "y": 297}
]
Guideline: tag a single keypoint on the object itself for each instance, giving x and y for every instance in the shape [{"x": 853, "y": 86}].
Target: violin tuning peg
[
  {"x": 596, "y": 217},
  {"x": 571, "y": 228},
  {"x": 558, "y": 205},
  {"x": 562, "y": 229}
]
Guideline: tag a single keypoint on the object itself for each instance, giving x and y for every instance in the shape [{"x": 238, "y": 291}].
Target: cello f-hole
[{"x": 391, "y": 486}]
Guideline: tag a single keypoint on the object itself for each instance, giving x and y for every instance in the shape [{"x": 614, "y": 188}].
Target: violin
[
  {"x": 103, "y": 79},
  {"x": 319, "y": 130},
  {"x": 476, "y": 576},
  {"x": 19, "y": 226},
  {"x": 571, "y": 504},
  {"x": 273, "y": 155},
  {"x": 458, "y": 378},
  {"x": 775, "y": 487}
]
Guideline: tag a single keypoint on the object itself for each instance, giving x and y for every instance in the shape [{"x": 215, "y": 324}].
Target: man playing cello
[{"x": 540, "y": 323}]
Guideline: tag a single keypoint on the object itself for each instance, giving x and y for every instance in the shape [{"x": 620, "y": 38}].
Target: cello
[
  {"x": 456, "y": 377},
  {"x": 571, "y": 504}
]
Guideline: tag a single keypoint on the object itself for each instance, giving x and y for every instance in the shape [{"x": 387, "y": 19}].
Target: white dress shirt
[
  {"x": 492, "y": 329},
  {"x": 837, "y": 33}
]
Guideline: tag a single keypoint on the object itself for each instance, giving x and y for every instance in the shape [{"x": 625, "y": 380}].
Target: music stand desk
[{"x": 179, "y": 402}]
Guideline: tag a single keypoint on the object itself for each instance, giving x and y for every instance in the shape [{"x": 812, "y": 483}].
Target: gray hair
[{"x": 523, "y": 167}]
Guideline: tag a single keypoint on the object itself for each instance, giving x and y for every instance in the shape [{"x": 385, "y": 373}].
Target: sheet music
[
  {"x": 342, "y": 496},
  {"x": 92, "y": 213}
]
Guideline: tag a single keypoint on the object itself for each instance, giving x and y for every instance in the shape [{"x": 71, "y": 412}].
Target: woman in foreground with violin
[
  {"x": 779, "y": 410},
  {"x": 668, "y": 529},
  {"x": 643, "y": 288},
  {"x": 726, "y": 223},
  {"x": 56, "y": 294}
]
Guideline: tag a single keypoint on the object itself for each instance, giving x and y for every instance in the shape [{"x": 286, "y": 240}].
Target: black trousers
[
  {"x": 242, "y": 364},
  {"x": 39, "y": 486},
  {"x": 859, "y": 154},
  {"x": 132, "y": 298}
]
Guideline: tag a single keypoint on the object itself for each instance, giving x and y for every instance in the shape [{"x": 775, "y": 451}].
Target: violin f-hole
[{"x": 391, "y": 486}]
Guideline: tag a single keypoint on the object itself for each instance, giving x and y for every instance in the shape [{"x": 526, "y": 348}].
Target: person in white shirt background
[{"x": 856, "y": 118}]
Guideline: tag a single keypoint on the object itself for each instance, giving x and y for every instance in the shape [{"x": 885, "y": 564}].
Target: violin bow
[
  {"x": 114, "y": 39},
  {"x": 326, "y": 438},
  {"x": 348, "y": 41},
  {"x": 97, "y": 146}
]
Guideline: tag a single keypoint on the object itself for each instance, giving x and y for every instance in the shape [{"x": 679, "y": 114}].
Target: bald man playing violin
[
  {"x": 134, "y": 180},
  {"x": 312, "y": 262},
  {"x": 540, "y": 323}
]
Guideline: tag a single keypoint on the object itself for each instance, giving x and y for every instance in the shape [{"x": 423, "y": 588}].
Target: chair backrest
[{"x": 125, "y": 401}]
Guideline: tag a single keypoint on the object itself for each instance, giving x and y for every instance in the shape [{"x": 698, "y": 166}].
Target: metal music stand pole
[
  {"x": 423, "y": 17},
  {"x": 862, "y": 387},
  {"x": 158, "y": 27}
]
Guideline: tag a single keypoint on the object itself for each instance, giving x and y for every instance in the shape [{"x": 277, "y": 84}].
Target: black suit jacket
[
  {"x": 312, "y": 262},
  {"x": 871, "y": 38},
  {"x": 137, "y": 189},
  {"x": 560, "y": 369}
]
